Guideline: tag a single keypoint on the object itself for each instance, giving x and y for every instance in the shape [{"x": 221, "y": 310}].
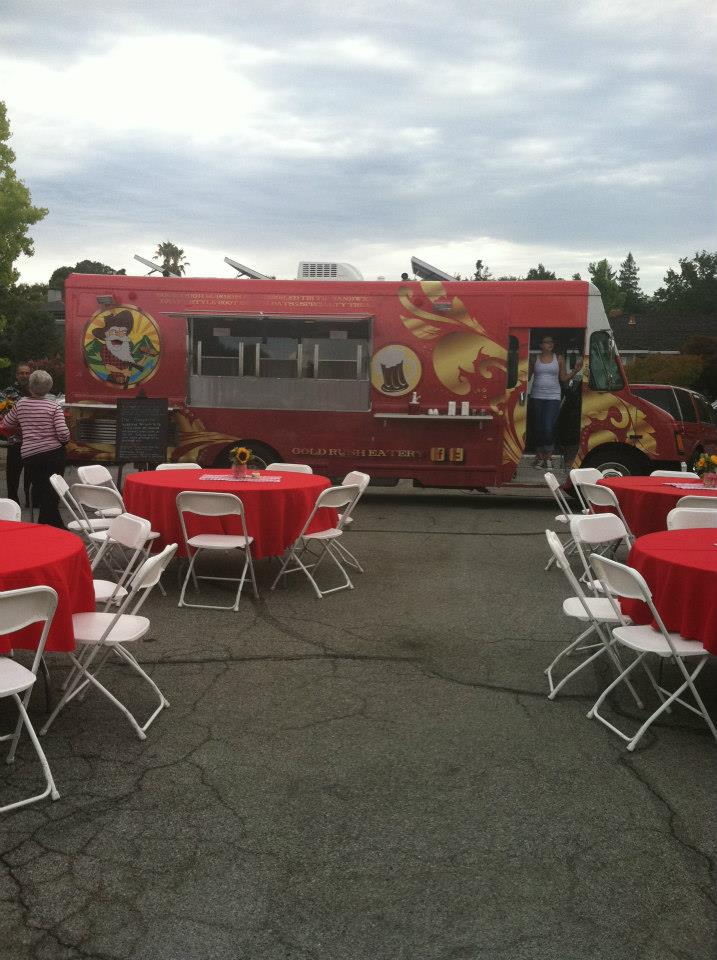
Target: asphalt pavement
[{"x": 374, "y": 776}]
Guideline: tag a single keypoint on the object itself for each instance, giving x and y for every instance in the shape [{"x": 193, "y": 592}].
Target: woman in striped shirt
[{"x": 44, "y": 434}]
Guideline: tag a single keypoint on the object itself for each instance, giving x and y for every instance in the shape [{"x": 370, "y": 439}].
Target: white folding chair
[
  {"x": 597, "y": 533},
  {"x": 107, "y": 633},
  {"x": 215, "y": 505},
  {"x": 702, "y": 503},
  {"x": 133, "y": 533},
  {"x": 178, "y": 466},
  {"x": 9, "y": 510},
  {"x": 80, "y": 523},
  {"x": 624, "y": 581},
  {"x": 333, "y": 497},
  {"x": 686, "y": 518},
  {"x": 596, "y": 612},
  {"x": 677, "y": 474},
  {"x": 581, "y": 475},
  {"x": 565, "y": 515},
  {"x": 290, "y": 467},
  {"x": 96, "y": 475},
  {"x": 596, "y": 496},
  {"x": 19, "y": 609},
  {"x": 360, "y": 480}
]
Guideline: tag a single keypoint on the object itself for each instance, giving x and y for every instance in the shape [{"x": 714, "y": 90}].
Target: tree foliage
[
  {"x": 605, "y": 279},
  {"x": 57, "y": 280},
  {"x": 29, "y": 333},
  {"x": 691, "y": 291},
  {"x": 17, "y": 214},
  {"x": 540, "y": 273},
  {"x": 629, "y": 282},
  {"x": 172, "y": 257},
  {"x": 680, "y": 370},
  {"x": 481, "y": 272}
]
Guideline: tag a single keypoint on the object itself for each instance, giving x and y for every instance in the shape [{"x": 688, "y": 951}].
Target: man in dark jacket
[{"x": 13, "y": 466}]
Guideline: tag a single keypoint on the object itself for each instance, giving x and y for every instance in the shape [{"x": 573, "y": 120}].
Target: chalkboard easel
[{"x": 142, "y": 431}]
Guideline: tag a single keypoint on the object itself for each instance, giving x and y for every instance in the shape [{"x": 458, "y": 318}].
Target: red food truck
[{"x": 425, "y": 380}]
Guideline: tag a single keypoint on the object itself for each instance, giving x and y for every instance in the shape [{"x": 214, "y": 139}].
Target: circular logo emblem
[
  {"x": 395, "y": 370},
  {"x": 121, "y": 346}
]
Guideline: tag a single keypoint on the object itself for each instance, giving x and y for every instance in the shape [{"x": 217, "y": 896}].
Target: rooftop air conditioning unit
[{"x": 323, "y": 270}]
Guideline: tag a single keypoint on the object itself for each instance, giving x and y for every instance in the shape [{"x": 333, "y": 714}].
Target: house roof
[{"x": 659, "y": 333}]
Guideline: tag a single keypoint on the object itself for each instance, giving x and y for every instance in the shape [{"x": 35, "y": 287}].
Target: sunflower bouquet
[
  {"x": 6, "y": 405},
  {"x": 240, "y": 455},
  {"x": 706, "y": 464}
]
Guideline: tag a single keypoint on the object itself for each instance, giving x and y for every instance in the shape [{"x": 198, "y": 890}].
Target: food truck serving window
[{"x": 278, "y": 348}]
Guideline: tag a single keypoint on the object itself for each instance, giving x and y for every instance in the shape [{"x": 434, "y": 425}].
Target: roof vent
[{"x": 326, "y": 270}]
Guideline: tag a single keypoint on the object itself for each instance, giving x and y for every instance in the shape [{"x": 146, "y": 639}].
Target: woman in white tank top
[{"x": 549, "y": 372}]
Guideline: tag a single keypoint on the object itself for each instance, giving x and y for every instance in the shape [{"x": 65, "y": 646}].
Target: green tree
[
  {"x": 57, "y": 280},
  {"x": 30, "y": 333},
  {"x": 706, "y": 349},
  {"x": 605, "y": 279},
  {"x": 540, "y": 273},
  {"x": 481, "y": 272},
  {"x": 692, "y": 291},
  {"x": 629, "y": 282},
  {"x": 576, "y": 276},
  {"x": 682, "y": 371},
  {"x": 17, "y": 214},
  {"x": 172, "y": 257}
]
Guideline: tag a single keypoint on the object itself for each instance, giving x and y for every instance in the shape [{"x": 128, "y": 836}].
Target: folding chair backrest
[
  {"x": 20, "y": 608},
  {"x": 290, "y": 467},
  {"x": 681, "y": 474},
  {"x": 143, "y": 580},
  {"x": 562, "y": 561},
  {"x": 131, "y": 531},
  {"x": 209, "y": 504},
  {"x": 703, "y": 503},
  {"x": 96, "y": 475},
  {"x": 621, "y": 580},
  {"x": 584, "y": 475},
  {"x": 59, "y": 485},
  {"x": 560, "y": 499},
  {"x": 598, "y": 496},
  {"x": 95, "y": 497},
  {"x": 9, "y": 510},
  {"x": 594, "y": 528},
  {"x": 686, "y": 518},
  {"x": 356, "y": 478},
  {"x": 178, "y": 466},
  {"x": 335, "y": 497}
]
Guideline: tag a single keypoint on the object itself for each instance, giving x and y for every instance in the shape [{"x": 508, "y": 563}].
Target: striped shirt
[{"x": 41, "y": 422}]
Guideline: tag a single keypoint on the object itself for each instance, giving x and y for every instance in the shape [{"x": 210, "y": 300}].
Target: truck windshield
[{"x": 604, "y": 369}]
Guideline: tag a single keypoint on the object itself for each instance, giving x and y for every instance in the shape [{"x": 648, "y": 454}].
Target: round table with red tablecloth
[
  {"x": 275, "y": 509},
  {"x": 31, "y": 555},
  {"x": 646, "y": 501},
  {"x": 680, "y": 567}
]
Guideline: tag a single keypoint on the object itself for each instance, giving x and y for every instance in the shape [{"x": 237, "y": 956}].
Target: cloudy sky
[{"x": 365, "y": 132}]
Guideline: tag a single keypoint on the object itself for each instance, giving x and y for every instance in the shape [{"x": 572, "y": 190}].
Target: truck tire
[{"x": 625, "y": 460}]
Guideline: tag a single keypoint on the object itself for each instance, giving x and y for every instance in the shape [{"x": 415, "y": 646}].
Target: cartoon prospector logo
[{"x": 121, "y": 347}]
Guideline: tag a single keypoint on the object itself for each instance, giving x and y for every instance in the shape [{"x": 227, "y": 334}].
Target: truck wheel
[
  {"x": 624, "y": 460},
  {"x": 260, "y": 450}
]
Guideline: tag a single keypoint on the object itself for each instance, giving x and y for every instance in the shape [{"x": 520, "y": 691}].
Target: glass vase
[
  {"x": 709, "y": 479},
  {"x": 239, "y": 469}
]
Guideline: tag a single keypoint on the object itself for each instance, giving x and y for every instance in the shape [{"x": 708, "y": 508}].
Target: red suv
[{"x": 695, "y": 420}]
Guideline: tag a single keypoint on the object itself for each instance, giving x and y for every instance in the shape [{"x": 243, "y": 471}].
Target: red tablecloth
[
  {"x": 33, "y": 555},
  {"x": 275, "y": 512},
  {"x": 680, "y": 567},
  {"x": 646, "y": 501}
]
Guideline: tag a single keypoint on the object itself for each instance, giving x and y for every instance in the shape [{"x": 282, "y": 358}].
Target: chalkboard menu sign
[{"x": 142, "y": 429}]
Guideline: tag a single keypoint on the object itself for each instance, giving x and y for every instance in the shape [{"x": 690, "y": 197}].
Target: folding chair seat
[
  {"x": 597, "y": 612},
  {"x": 599, "y": 533},
  {"x": 677, "y": 474},
  {"x": 95, "y": 475},
  {"x": 19, "y": 609},
  {"x": 290, "y": 467},
  {"x": 581, "y": 475},
  {"x": 325, "y": 540},
  {"x": 178, "y": 466},
  {"x": 103, "y": 634},
  {"x": 10, "y": 510},
  {"x": 685, "y": 518},
  {"x": 621, "y": 580},
  {"x": 215, "y": 505}
]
